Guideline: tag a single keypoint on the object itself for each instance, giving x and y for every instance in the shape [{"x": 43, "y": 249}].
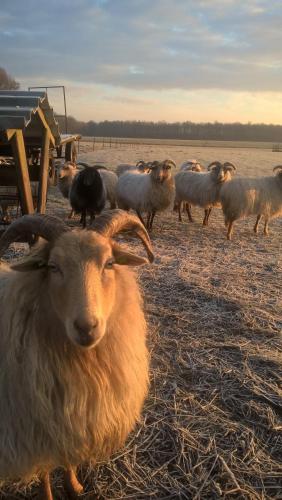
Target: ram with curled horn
[
  {"x": 74, "y": 364},
  {"x": 202, "y": 188},
  {"x": 149, "y": 193}
]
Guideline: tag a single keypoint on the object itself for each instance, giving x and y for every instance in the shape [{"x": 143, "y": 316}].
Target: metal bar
[
  {"x": 66, "y": 119},
  {"x": 64, "y": 93}
]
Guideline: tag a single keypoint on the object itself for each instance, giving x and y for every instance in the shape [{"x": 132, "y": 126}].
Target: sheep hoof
[{"x": 72, "y": 485}]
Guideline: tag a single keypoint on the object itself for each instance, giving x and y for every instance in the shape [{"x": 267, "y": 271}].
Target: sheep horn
[
  {"x": 277, "y": 167},
  {"x": 140, "y": 162},
  {"x": 229, "y": 164},
  {"x": 47, "y": 226},
  {"x": 114, "y": 221},
  {"x": 215, "y": 163},
  {"x": 169, "y": 162}
]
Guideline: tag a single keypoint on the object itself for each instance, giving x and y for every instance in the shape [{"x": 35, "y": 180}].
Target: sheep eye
[
  {"x": 109, "y": 264},
  {"x": 53, "y": 267}
]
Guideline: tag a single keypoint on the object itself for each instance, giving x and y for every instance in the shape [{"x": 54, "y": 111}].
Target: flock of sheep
[
  {"x": 74, "y": 362},
  {"x": 150, "y": 187}
]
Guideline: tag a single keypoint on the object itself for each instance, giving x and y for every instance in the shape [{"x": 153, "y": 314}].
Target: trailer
[{"x": 30, "y": 141}]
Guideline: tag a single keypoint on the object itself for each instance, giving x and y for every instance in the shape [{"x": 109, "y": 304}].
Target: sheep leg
[
  {"x": 151, "y": 221},
  {"x": 206, "y": 217},
  {"x": 230, "y": 229},
  {"x": 205, "y": 221},
  {"x": 189, "y": 213},
  {"x": 45, "y": 492},
  {"x": 141, "y": 218},
  {"x": 265, "y": 231},
  {"x": 71, "y": 483},
  {"x": 71, "y": 214},
  {"x": 179, "y": 212},
  {"x": 113, "y": 205},
  {"x": 83, "y": 219},
  {"x": 257, "y": 223}
]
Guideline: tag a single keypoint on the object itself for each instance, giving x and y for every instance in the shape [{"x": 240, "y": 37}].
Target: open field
[
  {"x": 211, "y": 427},
  {"x": 123, "y": 142}
]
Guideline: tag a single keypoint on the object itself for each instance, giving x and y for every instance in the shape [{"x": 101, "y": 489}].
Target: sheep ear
[
  {"x": 124, "y": 258},
  {"x": 31, "y": 263}
]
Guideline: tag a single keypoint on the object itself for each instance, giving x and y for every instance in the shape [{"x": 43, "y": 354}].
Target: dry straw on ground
[{"x": 211, "y": 426}]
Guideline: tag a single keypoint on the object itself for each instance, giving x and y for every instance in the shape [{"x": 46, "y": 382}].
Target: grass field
[
  {"x": 211, "y": 426},
  {"x": 201, "y": 143}
]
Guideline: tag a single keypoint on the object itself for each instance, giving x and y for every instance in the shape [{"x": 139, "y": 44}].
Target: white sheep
[
  {"x": 188, "y": 165},
  {"x": 260, "y": 196},
  {"x": 74, "y": 361},
  {"x": 193, "y": 165},
  {"x": 202, "y": 188},
  {"x": 66, "y": 174},
  {"x": 149, "y": 193},
  {"x": 141, "y": 166}
]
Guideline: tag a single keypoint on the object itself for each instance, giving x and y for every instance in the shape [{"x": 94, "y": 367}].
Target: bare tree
[{"x": 7, "y": 82}]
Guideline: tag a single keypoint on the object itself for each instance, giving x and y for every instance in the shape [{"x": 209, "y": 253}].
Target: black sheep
[{"x": 87, "y": 194}]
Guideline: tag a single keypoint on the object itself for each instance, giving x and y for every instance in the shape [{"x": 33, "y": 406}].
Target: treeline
[{"x": 186, "y": 130}]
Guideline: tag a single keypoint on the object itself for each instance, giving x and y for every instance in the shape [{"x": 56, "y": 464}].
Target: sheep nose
[{"x": 86, "y": 331}]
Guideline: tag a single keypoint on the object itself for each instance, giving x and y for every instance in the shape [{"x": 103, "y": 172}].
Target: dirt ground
[{"x": 211, "y": 426}]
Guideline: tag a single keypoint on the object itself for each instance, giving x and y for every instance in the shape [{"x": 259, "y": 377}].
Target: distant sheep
[
  {"x": 141, "y": 166},
  {"x": 149, "y": 193},
  {"x": 74, "y": 361},
  {"x": 202, "y": 188},
  {"x": 193, "y": 165},
  {"x": 260, "y": 196},
  {"x": 87, "y": 194},
  {"x": 66, "y": 174}
]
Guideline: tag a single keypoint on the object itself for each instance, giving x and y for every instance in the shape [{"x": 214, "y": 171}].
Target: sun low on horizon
[{"x": 200, "y": 61}]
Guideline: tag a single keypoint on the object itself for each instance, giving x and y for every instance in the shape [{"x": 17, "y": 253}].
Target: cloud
[{"x": 143, "y": 46}]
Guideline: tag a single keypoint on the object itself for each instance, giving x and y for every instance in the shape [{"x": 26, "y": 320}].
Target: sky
[{"x": 172, "y": 60}]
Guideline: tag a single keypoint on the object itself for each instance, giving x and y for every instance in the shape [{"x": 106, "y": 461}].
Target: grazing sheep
[
  {"x": 87, "y": 194},
  {"x": 141, "y": 166},
  {"x": 202, "y": 188},
  {"x": 109, "y": 179},
  {"x": 74, "y": 362},
  {"x": 260, "y": 196},
  {"x": 193, "y": 165},
  {"x": 149, "y": 193}
]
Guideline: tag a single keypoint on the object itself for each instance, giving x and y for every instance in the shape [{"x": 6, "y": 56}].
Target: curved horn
[
  {"x": 229, "y": 164},
  {"x": 140, "y": 162},
  {"x": 169, "y": 162},
  {"x": 215, "y": 163},
  {"x": 278, "y": 167},
  {"x": 114, "y": 221},
  {"x": 47, "y": 226}
]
